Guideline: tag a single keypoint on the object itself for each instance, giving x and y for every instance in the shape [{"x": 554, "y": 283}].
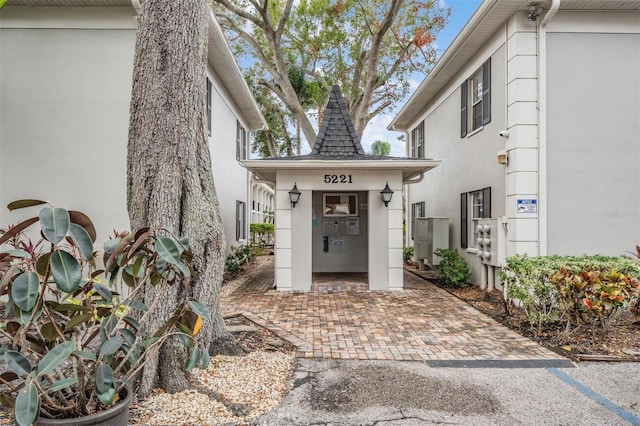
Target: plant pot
[{"x": 118, "y": 415}]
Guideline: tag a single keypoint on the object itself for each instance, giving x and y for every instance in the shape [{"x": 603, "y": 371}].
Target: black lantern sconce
[
  {"x": 294, "y": 195},
  {"x": 386, "y": 195}
]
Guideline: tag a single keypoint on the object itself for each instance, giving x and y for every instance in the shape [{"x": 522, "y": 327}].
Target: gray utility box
[{"x": 431, "y": 233}]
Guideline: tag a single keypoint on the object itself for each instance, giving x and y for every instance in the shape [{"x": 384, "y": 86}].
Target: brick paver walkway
[{"x": 422, "y": 322}]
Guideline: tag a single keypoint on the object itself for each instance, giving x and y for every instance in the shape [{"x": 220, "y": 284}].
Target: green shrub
[
  {"x": 453, "y": 269},
  {"x": 593, "y": 297},
  {"x": 240, "y": 255},
  {"x": 407, "y": 253},
  {"x": 262, "y": 233},
  {"x": 553, "y": 288}
]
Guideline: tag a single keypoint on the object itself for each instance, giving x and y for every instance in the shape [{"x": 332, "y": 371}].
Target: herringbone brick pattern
[{"x": 340, "y": 319}]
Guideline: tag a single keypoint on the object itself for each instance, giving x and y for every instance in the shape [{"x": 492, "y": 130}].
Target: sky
[{"x": 461, "y": 11}]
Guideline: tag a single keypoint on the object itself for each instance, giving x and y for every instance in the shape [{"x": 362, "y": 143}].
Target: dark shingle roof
[{"x": 337, "y": 136}]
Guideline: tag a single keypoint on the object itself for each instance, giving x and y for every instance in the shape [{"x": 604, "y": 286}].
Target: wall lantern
[
  {"x": 294, "y": 195},
  {"x": 386, "y": 195}
]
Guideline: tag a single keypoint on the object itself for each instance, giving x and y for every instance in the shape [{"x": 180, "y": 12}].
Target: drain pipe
[
  {"x": 412, "y": 181},
  {"x": 542, "y": 127}
]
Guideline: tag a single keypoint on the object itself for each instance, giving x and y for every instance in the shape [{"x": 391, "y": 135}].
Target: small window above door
[{"x": 340, "y": 205}]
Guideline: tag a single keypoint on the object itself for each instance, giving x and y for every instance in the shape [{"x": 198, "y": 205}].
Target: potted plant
[{"x": 73, "y": 337}]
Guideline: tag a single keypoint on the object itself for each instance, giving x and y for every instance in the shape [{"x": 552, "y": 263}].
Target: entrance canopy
[{"x": 339, "y": 222}]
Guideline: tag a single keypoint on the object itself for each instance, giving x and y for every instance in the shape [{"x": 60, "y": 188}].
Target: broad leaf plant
[{"x": 73, "y": 336}]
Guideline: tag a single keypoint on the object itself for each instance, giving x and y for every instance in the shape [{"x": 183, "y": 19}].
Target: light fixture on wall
[
  {"x": 294, "y": 195},
  {"x": 533, "y": 12},
  {"x": 386, "y": 195}
]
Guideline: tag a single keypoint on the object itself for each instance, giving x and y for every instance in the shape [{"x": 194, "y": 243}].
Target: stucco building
[
  {"x": 329, "y": 212},
  {"x": 535, "y": 111},
  {"x": 65, "y": 89}
]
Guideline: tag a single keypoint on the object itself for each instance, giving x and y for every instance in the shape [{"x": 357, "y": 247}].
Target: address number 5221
[{"x": 337, "y": 179}]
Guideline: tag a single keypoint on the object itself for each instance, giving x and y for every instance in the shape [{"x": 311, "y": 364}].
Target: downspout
[
  {"x": 542, "y": 127},
  {"x": 412, "y": 181}
]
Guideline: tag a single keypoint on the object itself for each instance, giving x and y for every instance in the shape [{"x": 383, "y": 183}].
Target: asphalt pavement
[{"x": 349, "y": 392}]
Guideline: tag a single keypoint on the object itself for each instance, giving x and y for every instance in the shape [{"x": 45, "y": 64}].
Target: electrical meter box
[
  {"x": 431, "y": 233},
  {"x": 491, "y": 242}
]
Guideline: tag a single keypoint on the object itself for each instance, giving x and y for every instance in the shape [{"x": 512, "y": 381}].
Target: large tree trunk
[{"x": 169, "y": 177}]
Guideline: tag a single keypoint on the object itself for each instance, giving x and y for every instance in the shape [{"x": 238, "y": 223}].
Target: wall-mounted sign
[{"x": 527, "y": 205}]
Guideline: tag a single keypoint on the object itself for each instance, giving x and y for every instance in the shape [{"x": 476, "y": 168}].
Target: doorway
[{"x": 340, "y": 232}]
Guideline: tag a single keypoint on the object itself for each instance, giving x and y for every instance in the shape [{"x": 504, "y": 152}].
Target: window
[
  {"x": 473, "y": 206},
  {"x": 209, "y": 98},
  {"x": 241, "y": 142},
  {"x": 475, "y": 94},
  {"x": 340, "y": 205},
  {"x": 417, "y": 210},
  {"x": 417, "y": 141},
  {"x": 241, "y": 221}
]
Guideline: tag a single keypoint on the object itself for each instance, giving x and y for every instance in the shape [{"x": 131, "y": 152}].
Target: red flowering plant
[{"x": 72, "y": 344}]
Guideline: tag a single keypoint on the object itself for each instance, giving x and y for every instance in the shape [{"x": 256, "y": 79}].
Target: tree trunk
[{"x": 169, "y": 178}]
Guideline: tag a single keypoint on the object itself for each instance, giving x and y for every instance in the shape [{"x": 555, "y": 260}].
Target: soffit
[
  {"x": 488, "y": 18},
  {"x": 267, "y": 169}
]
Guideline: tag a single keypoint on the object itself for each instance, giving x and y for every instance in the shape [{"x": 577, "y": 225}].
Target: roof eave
[
  {"x": 229, "y": 72},
  {"x": 266, "y": 169},
  {"x": 441, "y": 72}
]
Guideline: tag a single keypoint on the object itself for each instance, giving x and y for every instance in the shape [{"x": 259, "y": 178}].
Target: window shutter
[
  {"x": 486, "y": 92},
  {"x": 209, "y": 99},
  {"x": 237, "y": 220},
  {"x": 463, "y": 220},
  {"x": 463, "y": 109},
  {"x": 238, "y": 140},
  {"x": 486, "y": 202},
  {"x": 421, "y": 140}
]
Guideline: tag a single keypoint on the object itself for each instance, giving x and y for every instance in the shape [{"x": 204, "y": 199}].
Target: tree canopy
[
  {"x": 381, "y": 148},
  {"x": 298, "y": 50}
]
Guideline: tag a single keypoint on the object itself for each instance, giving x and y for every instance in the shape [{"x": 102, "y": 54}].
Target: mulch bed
[{"x": 620, "y": 342}]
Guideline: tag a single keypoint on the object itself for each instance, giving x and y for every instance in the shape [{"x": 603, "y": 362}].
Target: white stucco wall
[
  {"x": 65, "y": 88},
  {"x": 468, "y": 164},
  {"x": 593, "y": 142},
  {"x": 230, "y": 178},
  {"x": 64, "y": 102}
]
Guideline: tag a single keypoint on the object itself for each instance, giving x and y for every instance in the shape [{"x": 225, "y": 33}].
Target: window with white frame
[
  {"x": 241, "y": 141},
  {"x": 241, "y": 215},
  {"x": 209, "y": 102},
  {"x": 474, "y": 205},
  {"x": 475, "y": 110},
  {"x": 417, "y": 210},
  {"x": 417, "y": 141}
]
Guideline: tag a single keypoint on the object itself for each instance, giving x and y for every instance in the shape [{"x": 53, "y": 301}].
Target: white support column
[{"x": 522, "y": 143}]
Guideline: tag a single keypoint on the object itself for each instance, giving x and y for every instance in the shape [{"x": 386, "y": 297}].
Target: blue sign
[{"x": 527, "y": 205}]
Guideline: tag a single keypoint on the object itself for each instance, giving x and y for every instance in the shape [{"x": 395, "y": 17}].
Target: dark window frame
[
  {"x": 417, "y": 141},
  {"x": 466, "y": 216},
  {"x": 241, "y": 220},
  {"x": 209, "y": 103},
  {"x": 417, "y": 210},
  {"x": 474, "y": 116}
]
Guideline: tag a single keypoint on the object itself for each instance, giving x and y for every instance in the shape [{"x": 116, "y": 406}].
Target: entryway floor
[{"x": 421, "y": 323}]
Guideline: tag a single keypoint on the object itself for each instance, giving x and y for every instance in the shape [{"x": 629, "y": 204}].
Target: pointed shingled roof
[{"x": 337, "y": 135}]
